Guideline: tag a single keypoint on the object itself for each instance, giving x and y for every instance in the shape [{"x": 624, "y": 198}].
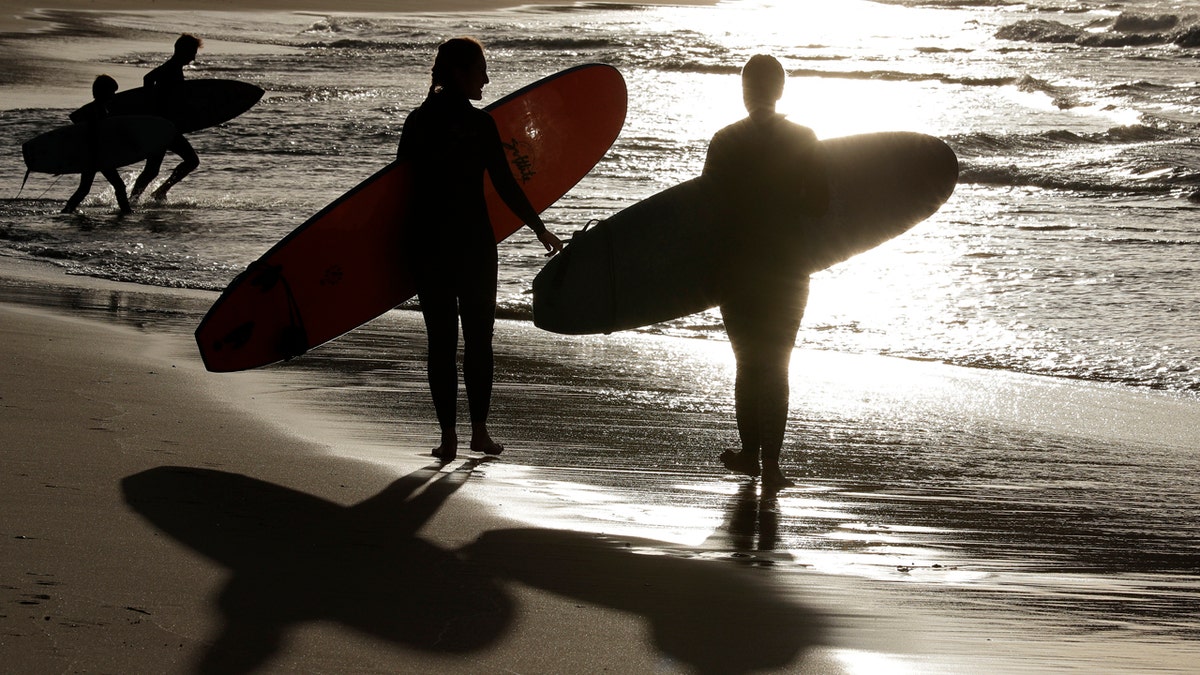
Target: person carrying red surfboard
[{"x": 451, "y": 144}]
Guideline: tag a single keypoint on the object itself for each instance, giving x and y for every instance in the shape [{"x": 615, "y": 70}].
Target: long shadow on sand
[{"x": 297, "y": 558}]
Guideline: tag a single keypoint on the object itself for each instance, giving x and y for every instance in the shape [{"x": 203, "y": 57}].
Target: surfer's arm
[
  {"x": 811, "y": 170},
  {"x": 510, "y": 191},
  {"x": 167, "y": 73},
  {"x": 80, "y": 116},
  {"x": 151, "y": 78},
  {"x": 92, "y": 112},
  {"x": 404, "y": 149}
]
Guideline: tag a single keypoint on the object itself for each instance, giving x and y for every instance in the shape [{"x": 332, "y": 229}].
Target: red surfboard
[{"x": 343, "y": 266}]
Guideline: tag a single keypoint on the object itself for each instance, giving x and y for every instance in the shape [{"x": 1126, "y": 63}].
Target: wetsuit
[
  {"x": 451, "y": 244},
  {"x": 94, "y": 113},
  {"x": 768, "y": 173},
  {"x": 160, "y": 80}
]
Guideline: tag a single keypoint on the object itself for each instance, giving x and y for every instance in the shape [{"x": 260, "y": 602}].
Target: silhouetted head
[
  {"x": 460, "y": 67},
  {"x": 762, "y": 83},
  {"x": 103, "y": 87},
  {"x": 186, "y": 47}
]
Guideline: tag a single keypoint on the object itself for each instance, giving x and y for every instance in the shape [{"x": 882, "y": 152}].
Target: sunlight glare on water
[{"x": 1076, "y": 185}]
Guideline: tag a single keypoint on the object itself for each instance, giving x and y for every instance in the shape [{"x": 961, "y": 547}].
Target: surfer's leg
[
  {"x": 148, "y": 174},
  {"x": 478, "y": 309},
  {"x": 85, "y": 186},
  {"x": 745, "y": 389},
  {"x": 773, "y": 413},
  {"x": 778, "y": 344},
  {"x": 191, "y": 160},
  {"x": 114, "y": 179},
  {"x": 439, "y": 308},
  {"x": 762, "y": 323}
]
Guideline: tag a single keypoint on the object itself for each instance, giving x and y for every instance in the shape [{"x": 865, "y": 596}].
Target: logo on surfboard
[{"x": 520, "y": 159}]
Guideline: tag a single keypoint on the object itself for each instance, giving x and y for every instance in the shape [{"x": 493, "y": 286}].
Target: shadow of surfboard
[{"x": 297, "y": 558}]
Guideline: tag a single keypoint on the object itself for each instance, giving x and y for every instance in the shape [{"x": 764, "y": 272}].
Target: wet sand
[{"x": 161, "y": 518}]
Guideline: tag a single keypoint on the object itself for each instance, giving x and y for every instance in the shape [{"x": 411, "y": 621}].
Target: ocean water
[{"x": 1071, "y": 247}]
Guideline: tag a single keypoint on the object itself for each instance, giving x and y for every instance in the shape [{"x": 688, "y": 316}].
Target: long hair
[{"x": 455, "y": 53}]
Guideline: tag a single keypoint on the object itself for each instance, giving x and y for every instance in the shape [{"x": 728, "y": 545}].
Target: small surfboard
[
  {"x": 110, "y": 143},
  {"x": 343, "y": 267},
  {"x": 661, "y": 258},
  {"x": 190, "y": 105}
]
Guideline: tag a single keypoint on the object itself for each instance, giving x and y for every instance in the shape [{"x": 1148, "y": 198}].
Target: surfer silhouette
[
  {"x": 451, "y": 144},
  {"x": 768, "y": 171},
  {"x": 103, "y": 89},
  {"x": 159, "y": 81}
]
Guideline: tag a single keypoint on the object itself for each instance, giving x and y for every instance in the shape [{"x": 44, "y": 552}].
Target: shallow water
[{"x": 1068, "y": 249}]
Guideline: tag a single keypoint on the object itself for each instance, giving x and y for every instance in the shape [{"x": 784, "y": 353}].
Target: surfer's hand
[{"x": 551, "y": 241}]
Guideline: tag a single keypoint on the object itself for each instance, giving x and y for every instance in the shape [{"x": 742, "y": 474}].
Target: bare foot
[
  {"x": 487, "y": 446},
  {"x": 741, "y": 462},
  {"x": 481, "y": 441},
  {"x": 448, "y": 450},
  {"x": 774, "y": 480}
]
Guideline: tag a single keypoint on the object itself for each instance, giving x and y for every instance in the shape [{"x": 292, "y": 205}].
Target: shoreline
[{"x": 142, "y": 434}]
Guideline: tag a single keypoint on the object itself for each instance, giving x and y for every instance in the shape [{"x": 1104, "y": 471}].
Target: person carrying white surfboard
[
  {"x": 93, "y": 113},
  {"x": 453, "y": 249},
  {"x": 768, "y": 170},
  {"x": 160, "y": 80}
]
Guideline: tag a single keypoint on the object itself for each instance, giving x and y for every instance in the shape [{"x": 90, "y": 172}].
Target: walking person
[
  {"x": 769, "y": 174},
  {"x": 159, "y": 81},
  {"x": 103, "y": 89}
]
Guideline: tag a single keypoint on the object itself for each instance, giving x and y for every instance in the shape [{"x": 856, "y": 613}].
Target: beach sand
[
  {"x": 258, "y": 557},
  {"x": 158, "y": 518}
]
